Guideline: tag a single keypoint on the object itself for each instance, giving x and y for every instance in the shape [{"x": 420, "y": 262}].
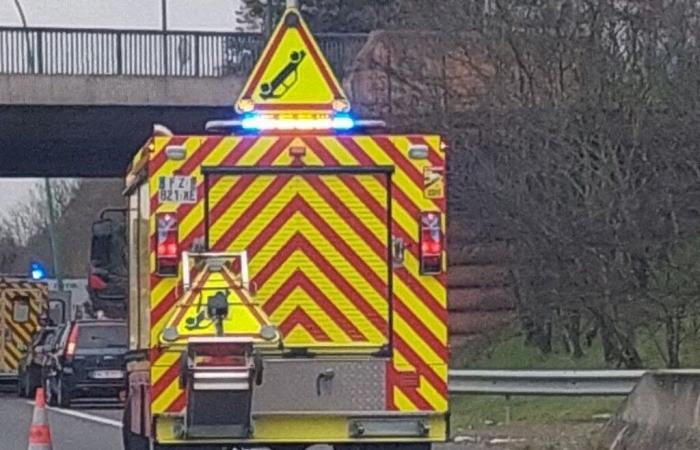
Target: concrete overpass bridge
[{"x": 78, "y": 102}]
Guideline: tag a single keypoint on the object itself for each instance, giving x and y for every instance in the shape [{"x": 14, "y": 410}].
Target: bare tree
[
  {"x": 573, "y": 127},
  {"x": 29, "y": 219}
]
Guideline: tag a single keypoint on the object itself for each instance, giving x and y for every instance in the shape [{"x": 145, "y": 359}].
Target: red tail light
[
  {"x": 72, "y": 343},
  {"x": 167, "y": 248},
  {"x": 431, "y": 244},
  {"x": 96, "y": 282}
]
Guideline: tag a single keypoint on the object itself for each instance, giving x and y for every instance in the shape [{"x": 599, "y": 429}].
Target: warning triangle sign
[{"x": 292, "y": 74}]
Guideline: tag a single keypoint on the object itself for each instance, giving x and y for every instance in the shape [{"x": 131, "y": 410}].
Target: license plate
[
  {"x": 177, "y": 189},
  {"x": 107, "y": 374}
]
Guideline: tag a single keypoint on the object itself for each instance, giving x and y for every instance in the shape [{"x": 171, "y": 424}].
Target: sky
[{"x": 210, "y": 15}]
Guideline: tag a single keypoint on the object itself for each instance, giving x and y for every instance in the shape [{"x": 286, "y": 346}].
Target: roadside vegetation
[{"x": 573, "y": 134}]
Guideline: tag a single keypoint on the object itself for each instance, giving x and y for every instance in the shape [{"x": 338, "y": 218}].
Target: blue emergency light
[
  {"x": 339, "y": 122},
  {"x": 37, "y": 271}
]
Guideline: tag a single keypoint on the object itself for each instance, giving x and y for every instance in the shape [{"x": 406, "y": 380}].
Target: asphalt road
[
  {"x": 75, "y": 429},
  {"x": 86, "y": 426}
]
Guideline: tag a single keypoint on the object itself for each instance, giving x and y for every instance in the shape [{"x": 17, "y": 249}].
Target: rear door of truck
[
  {"x": 20, "y": 304},
  {"x": 319, "y": 247}
]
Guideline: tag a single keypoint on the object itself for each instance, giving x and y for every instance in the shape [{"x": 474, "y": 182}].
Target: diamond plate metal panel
[{"x": 321, "y": 385}]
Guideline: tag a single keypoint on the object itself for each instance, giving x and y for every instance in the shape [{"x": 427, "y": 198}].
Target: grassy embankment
[{"x": 511, "y": 353}]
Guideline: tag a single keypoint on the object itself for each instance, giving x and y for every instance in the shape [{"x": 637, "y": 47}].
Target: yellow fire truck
[
  {"x": 287, "y": 273},
  {"x": 22, "y": 302}
]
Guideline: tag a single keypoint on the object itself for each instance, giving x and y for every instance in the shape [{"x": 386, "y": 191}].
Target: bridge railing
[{"x": 103, "y": 52}]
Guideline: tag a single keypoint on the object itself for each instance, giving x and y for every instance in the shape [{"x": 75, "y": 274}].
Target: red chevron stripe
[
  {"x": 233, "y": 157},
  {"x": 230, "y": 159},
  {"x": 394, "y": 381},
  {"x": 161, "y": 158},
  {"x": 423, "y": 369},
  {"x": 268, "y": 158},
  {"x": 361, "y": 229},
  {"x": 299, "y": 280},
  {"x": 433, "y": 156},
  {"x": 400, "y": 160},
  {"x": 338, "y": 205},
  {"x": 430, "y": 300},
  {"x": 165, "y": 305},
  {"x": 298, "y": 241},
  {"x": 300, "y": 205},
  {"x": 155, "y": 352},
  {"x": 389, "y": 383},
  {"x": 251, "y": 212},
  {"x": 165, "y": 380},
  {"x": 358, "y": 189},
  {"x": 300, "y": 318},
  {"x": 178, "y": 405},
  {"x": 191, "y": 163},
  {"x": 427, "y": 335}
]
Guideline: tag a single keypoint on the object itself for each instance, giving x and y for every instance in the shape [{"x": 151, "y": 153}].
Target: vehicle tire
[
  {"x": 63, "y": 395},
  {"x": 131, "y": 440},
  {"x": 31, "y": 384},
  {"x": 20, "y": 387}
]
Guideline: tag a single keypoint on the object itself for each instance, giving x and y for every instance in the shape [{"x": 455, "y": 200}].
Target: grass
[
  {"x": 509, "y": 352},
  {"x": 475, "y": 411}
]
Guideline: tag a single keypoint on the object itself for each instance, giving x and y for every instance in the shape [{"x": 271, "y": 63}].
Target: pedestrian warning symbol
[{"x": 292, "y": 74}]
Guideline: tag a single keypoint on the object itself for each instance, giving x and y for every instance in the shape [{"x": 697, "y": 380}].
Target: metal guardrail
[
  {"x": 544, "y": 382},
  {"x": 65, "y": 51}
]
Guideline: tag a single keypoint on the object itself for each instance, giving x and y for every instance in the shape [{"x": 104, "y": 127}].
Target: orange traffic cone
[{"x": 39, "y": 432}]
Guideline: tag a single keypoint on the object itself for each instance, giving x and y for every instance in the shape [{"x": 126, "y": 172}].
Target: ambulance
[
  {"x": 287, "y": 281},
  {"x": 22, "y": 303}
]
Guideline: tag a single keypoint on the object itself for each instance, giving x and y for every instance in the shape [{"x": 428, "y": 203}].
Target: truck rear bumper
[{"x": 320, "y": 428}]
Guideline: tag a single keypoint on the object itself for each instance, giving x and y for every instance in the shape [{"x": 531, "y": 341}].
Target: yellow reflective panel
[{"x": 292, "y": 74}]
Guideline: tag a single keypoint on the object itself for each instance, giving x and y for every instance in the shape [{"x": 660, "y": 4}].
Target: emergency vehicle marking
[
  {"x": 292, "y": 74},
  {"x": 419, "y": 325},
  {"x": 18, "y": 334}
]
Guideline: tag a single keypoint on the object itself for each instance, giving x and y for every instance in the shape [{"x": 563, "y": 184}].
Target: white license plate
[
  {"x": 107, "y": 374},
  {"x": 177, "y": 189}
]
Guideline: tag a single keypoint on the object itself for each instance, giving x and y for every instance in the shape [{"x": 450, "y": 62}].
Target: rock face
[{"x": 663, "y": 412}]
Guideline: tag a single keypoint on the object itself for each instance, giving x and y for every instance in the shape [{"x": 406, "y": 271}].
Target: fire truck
[
  {"x": 22, "y": 303},
  {"x": 286, "y": 270}
]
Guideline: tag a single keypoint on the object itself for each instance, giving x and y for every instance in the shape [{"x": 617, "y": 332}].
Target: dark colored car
[
  {"x": 86, "y": 362},
  {"x": 33, "y": 360}
]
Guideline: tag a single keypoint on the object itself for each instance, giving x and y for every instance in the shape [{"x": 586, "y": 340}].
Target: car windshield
[{"x": 102, "y": 336}]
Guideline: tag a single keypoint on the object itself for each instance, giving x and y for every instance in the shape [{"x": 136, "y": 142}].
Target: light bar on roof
[{"x": 339, "y": 122}]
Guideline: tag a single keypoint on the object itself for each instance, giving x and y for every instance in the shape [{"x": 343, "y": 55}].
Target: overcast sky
[
  {"x": 217, "y": 15},
  {"x": 213, "y": 15}
]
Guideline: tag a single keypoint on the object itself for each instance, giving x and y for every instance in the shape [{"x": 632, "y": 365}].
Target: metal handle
[
  {"x": 326, "y": 376},
  {"x": 258, "y": 368}
]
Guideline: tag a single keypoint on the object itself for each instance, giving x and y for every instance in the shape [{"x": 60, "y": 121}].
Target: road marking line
[{"x": 84, "y": 416}]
